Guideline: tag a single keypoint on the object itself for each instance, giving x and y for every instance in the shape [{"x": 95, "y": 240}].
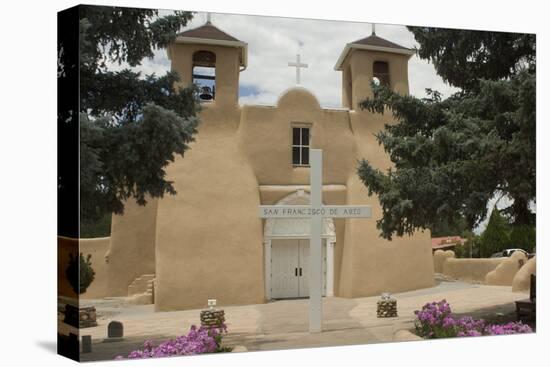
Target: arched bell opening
[
  {"x": 204, "y": 75},
  {"x": 381, "y": 73}
]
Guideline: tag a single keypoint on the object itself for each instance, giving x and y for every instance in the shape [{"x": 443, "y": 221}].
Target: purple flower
[
  {"x": 197, "y": 341},
  {"x": 508, "y": 329},
  {"x": 448, "y": 322},
  {"x": 435, "y": 320}
]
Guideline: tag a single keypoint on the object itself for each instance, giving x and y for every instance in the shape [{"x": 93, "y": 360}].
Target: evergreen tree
[
  {"x": 442, "y": 228},
  {"x": 496, "y": 236},
  {"x": 471, "y": 247},
  {"x": 131, "y": 125},
  {"x": 523, "y": 237},
  {"x": 450, "y": 157}
]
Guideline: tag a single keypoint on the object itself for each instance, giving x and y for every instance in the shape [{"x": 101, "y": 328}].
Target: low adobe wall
[
  {"x": 505, "y": 272},
  {"x": 97, "y": 247},
  {"x": 439, "y": 258},
  {"x": 470, "y": 269},
  {"x": 522, "y": 279}
]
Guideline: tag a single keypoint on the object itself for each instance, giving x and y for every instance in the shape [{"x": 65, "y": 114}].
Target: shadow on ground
[
  {"x": 499, "y": 314},
  {"x": 108, "y": 351}
]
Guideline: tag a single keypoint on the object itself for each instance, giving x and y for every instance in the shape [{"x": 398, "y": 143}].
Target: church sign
[{"x": 306, "y": 211}]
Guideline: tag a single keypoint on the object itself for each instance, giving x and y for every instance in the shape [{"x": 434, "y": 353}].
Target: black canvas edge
[{"x": 68, "y": 150}]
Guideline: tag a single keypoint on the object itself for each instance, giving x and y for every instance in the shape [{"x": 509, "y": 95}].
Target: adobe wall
[
  {"x": 209, "y": 241},
  {"x": 522, "y": 279},
  {"x": 505, "y": 272},
  {"x": 261, "y": 125},
  {"x": 470, "y": 269},
  {"x": 132, "y": 250},
  {"x": 372, "y": 265},
  {"x": 440, "y": 256}
]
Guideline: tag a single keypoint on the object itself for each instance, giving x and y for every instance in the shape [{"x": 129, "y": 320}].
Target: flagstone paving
[{"x": 284, "y": 324}]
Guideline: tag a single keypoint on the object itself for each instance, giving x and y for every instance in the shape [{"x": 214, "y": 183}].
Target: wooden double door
[{"x": 290, "y": 268}]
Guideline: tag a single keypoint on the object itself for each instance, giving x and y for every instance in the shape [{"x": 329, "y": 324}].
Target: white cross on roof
[{"x": 297, "y": 65}]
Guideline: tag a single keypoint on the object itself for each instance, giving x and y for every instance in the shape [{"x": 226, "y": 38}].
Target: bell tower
[
  {"x": 212, "y": 59},
  {"x": 372, "y": 59}
]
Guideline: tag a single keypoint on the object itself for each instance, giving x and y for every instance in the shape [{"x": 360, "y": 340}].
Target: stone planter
[
  {"x": 82, "y": 317},
  {"x": 212, "y": 318},
  {"x": 386, "y": 308}
]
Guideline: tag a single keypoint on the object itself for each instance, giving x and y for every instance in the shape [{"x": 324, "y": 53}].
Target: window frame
[{"x": 300, "y": 146}]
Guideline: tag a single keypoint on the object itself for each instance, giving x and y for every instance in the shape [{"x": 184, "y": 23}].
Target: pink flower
[
  {"x": 197, "y": 341},
  {"x": 435, "y": 320}
]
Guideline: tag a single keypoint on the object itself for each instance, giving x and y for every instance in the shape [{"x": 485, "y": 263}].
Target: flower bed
[
  {"x": 197, "y": 341},
  {"x": 436, "y": 321}
]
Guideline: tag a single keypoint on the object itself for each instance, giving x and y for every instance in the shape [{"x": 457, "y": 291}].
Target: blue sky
[{"x": 248, "y": 91}]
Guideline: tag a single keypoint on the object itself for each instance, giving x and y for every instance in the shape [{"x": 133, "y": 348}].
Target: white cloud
[
  {"x": 274, "y": 41},
  {"x": 500, "y": 202}
]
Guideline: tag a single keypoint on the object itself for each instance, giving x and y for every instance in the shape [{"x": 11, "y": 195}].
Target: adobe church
[{"x": 208, "y": 242}]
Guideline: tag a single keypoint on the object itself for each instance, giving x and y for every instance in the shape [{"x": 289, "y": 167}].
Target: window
[
  {"x": 300, "y": 146},
  {"x": 381, "y": 73},
  {"x": 204, "y": 74}
]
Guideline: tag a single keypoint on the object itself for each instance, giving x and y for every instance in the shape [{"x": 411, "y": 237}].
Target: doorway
[{"x": 290, "y": 268}]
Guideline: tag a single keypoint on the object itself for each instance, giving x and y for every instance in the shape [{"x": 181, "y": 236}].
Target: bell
[{"x": 206, "y": 94}]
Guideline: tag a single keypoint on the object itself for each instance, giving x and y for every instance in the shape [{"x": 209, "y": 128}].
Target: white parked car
[{"x": 508, "y": 252}]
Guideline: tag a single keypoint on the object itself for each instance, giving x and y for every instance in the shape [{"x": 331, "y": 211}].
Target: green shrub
[
  {"x": 80, "y": 272},
  {"x": 471, "y": 248}
]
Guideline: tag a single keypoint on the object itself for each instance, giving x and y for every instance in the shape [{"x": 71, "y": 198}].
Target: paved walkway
[{"x": 284, "y": 324}]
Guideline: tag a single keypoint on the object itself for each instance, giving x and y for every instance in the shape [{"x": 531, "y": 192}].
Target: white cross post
[
  {"x": 316, "y": 211},
  {"x": 297, "y": 65}
]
